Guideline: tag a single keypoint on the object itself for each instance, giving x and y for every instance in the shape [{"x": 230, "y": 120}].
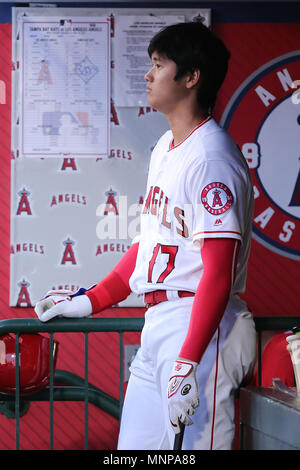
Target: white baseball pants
[{"x": 228, "y": 359}]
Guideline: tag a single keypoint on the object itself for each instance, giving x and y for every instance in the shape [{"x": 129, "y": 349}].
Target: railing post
[
  {"x": 86, "y": 386},
  {"x": 121, "y": 371},
  {"x": 51, "y": 383},
  {"x": 17, "y": 399}
]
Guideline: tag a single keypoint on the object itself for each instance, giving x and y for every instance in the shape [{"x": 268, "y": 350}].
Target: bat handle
[{"x": 179, "y": 437}]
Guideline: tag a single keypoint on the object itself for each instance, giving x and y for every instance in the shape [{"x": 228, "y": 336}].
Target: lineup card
[
  {"x": 131, "y": 56},
  {"x": 65, "y": 86}
]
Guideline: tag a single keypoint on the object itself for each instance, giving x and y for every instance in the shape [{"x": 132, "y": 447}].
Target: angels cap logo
[{"x": 264, "y": 117}]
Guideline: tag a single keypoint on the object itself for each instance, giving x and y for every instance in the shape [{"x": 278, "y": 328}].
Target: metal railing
[{"x": 78, "y": 389}]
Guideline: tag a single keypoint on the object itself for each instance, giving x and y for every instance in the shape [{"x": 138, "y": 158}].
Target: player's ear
[{"x": 192, "y": 78}]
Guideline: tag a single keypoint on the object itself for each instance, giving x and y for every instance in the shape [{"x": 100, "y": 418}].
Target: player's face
[{"x": 164, "y": 93}]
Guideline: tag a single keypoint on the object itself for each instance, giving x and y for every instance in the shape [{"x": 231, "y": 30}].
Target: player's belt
[{"x": 157, "y": 296}]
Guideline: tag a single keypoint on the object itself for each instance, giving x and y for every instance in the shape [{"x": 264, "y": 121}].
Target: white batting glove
[
  {"x": 63, "y": 303},
  {"x": 182, "y": 393},
  {"x": 51, "y": 298}
]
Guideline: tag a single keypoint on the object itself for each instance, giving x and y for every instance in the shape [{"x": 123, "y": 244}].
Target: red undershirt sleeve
[
  {"x": 115, "y": 286},
  {"x": 219, "y": 256}
]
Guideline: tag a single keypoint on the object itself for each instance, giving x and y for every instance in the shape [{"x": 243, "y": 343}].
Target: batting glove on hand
[
  {"x": 63, "y": 303},
  {"x": 182, "y": 393}
]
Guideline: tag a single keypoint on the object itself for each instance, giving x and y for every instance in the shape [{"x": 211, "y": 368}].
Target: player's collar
[{"x": 173, "y": 146}]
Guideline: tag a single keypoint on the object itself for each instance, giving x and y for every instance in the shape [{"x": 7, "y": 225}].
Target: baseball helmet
[{"x": 34, "y": 363}]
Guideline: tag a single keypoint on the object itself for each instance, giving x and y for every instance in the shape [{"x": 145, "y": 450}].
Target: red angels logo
[
  {"x": 68, "y": 254},
  {"x": 27, "y": 247},
  {"x": 68, "y": 198},
  {"x": 120, "y": 154},
  {"x": 23, "y": 296},
  {"x": 111, "y": 248},
  {"x": 216, "y": 198},
  {"x": 111, "y": 205},
  {"x": 24, "y": 205},
  {"x": 264, "y": 118},
  {"x": 68, "y": 162}
]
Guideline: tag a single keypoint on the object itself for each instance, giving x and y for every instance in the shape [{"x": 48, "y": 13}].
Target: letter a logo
[
  {"x": 217, "y": 200},
  {"x": 24, "y": 205},
  {"x": 23, "y": 297},
  {"x": 68, "y": 255},
  {"x": 111, "y": 205},
  {"x": 44, "y": 74},
  {"x": 69, "y": 163}
]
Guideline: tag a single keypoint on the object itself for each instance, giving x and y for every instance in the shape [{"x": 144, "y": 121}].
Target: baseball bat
[{"x": 179, "y": 438}]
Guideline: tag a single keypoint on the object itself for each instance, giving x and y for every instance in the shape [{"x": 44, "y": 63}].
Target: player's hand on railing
[
  {"x": 63, "y": 303},
  {"x": 182, "y": 393}
]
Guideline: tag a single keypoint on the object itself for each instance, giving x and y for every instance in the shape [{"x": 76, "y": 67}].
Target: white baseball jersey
[{"x": 198, "y": 189}]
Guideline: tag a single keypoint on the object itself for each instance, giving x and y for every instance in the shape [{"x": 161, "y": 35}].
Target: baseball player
[{"x": 189, "y": 261}]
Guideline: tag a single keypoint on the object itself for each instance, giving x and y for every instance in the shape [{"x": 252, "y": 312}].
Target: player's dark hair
[{"x": 193, "y": 46}]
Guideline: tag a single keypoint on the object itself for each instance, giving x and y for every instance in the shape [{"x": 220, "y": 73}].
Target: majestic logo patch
[
  {"x": 264, "y": 118},
  {"x": 216, "y": 198}
]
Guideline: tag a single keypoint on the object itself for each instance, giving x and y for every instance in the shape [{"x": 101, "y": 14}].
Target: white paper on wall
[
  {"x": 131, "y": 60},
  {"x": 64, "y": 86}
]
